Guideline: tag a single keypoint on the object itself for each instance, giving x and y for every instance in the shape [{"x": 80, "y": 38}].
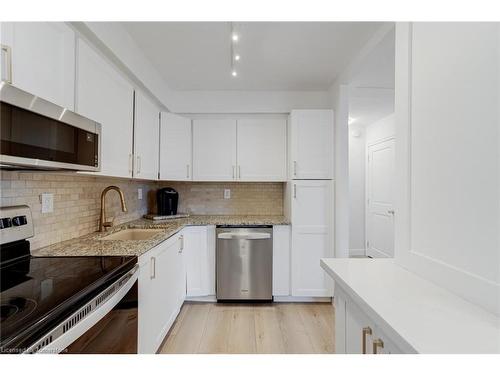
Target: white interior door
[{"x": 380, "y": 192}]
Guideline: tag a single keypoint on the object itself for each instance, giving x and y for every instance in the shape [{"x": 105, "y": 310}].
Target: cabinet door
[
  {"x": 41, "y": 56},
  {"x": 161, "y": 280},
  {"x": 262, "y": 150},
  {"x": 97, "y": 79},
  {"x": 214, "y": 150},
  {"x": 175, "y": 148},
  {"x": 359, "y": 330},
  {"x": 146, "y": 137},
  {"x": 198, "y": 262},
  {"x": 281, "y": 260},
  {"x": 149, "y": 314},
  {"x": 312, "y": 209},
  {"x": 311, "y": 144}
]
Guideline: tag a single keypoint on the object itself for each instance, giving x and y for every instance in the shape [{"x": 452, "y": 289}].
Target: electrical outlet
[
  {"x": 139, "y": 193},
  {"x": 227, "y": 193},
  {"x": 47, "y": 201}
]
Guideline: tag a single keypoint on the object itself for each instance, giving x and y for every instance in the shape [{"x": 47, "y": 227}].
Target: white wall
[
  {"x": 340, "y": 101},
  {"x": 448, "y": 156},
  {"x": 357, "y": 165},
  {"x": 381, "y": 129}
]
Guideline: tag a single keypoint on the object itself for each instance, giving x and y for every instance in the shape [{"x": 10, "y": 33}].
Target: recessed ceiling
[{"x": 274, "y": 55}]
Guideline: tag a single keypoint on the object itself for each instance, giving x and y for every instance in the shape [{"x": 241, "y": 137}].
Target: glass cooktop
[{"x": 38, "y": 292}]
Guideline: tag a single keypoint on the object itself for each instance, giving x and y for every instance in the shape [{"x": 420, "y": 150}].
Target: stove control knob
[
  {"x": 5, "y": 222},
  {"x": 19, "y": 220}
]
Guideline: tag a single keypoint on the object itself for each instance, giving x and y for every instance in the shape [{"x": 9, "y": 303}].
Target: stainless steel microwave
[{"x": 38, "y": 134}]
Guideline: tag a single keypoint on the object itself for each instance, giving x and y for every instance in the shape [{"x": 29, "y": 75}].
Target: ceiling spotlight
[
  {"x": 236, "y": 57},
  {"x": 234, "y": 73},
  {"x": 234, "y": 37}
]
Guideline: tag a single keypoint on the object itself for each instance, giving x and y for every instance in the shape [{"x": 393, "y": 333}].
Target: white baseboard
[
  {"x": 212, "y": 298},
  {"x": 356, "y": 252},
  {"x": 301, "y": 299}
]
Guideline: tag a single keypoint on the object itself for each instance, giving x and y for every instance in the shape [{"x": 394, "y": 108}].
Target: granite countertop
[{"x": 91, "y": 245}]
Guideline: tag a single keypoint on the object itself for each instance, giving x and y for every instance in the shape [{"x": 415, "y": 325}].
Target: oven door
[
  {"x": 41, "y": 135},
  {"x": 106, "y": 324}
]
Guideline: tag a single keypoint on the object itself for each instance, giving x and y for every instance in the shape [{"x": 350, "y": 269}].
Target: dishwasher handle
[{"x": 244, "y": 236}]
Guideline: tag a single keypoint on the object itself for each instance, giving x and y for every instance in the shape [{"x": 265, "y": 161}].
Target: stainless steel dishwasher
[{"x": 244, "y": 263}]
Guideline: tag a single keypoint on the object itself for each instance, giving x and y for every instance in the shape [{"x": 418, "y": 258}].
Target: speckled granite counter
[{"x": 91, "y": 244}]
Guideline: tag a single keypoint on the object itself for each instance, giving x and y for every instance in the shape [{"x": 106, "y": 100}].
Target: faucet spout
[{"x": 103, "y": 224}]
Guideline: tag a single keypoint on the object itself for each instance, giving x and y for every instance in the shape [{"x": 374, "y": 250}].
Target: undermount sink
[{"x": 133, "y": 234}]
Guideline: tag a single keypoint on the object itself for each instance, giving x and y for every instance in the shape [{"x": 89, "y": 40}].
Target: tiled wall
[
  {"x": 247, "y": 198},
  {"x": 76, "y": 202}
]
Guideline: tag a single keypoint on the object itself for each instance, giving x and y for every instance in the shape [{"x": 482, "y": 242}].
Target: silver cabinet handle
[
  {"x": 390, "y": 212},
  {"x": 234, "y": 169},
  {"x": 295, "y": 168},
  {"x": 8, "y": 63},
  {"x": 294, "y": 190},
  {"x": 239, "y": 171},
  {"x": 181, "y": 247},
  {"x": 187, "y": 170},
  {"x": 153, "y": 268},
  {"x": 130, "y": 163},
  {"x": 138, "y": 164}
]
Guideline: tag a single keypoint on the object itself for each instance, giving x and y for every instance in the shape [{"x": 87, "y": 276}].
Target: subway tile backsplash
[{"x": 77, "y": 200}]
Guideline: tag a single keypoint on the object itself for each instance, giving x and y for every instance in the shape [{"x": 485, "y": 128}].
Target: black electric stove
[{"x": 37, "y": 293}]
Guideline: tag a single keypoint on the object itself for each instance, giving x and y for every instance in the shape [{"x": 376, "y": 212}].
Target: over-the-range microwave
[{"x": 38, "y": 134}]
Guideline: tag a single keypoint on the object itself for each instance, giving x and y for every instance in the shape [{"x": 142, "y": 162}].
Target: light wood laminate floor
[{"x": 252, "y": 328}]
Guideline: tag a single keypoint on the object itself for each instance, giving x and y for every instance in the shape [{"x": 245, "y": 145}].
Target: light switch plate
[
  {"x": 227, "y": 193},
  {"x": 139, "y": 193},
  {"x": 47, "y": 201}
]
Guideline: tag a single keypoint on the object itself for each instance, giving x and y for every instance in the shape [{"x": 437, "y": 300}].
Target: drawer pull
[
  {"x": 366, "y": 331},
  {"x": 378, "y": 343}
]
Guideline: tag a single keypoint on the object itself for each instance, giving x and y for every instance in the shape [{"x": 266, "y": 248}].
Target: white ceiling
[
  {"x": 274, "y": 55},
  {"x": 372, "y": 88}
]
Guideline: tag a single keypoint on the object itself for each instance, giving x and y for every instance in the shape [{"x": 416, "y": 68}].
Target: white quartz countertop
[{"x": 427, "y": 317}]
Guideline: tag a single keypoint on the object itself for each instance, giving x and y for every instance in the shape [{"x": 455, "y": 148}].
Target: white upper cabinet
[
  {"x": 311, "y": 142},
  {"x": 39, "y": 57},
  {"x": 146, "y": 137},
  {"x": 105, "y": 96},
  {"x": 262, "y": 150},
  {"x": 214, "y": 150},
  {"x": 175, "y": 148}
]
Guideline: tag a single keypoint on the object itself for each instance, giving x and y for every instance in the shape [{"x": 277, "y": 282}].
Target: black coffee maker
[{"x": 167, "y": 200}]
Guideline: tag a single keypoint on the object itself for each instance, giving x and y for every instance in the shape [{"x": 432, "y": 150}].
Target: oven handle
[
  {"x": 58, "y": 343},
  {"x": 243, "y": 236}
]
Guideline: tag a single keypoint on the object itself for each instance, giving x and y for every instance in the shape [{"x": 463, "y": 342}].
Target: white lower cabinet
[
  {"x": 162, "y": 288},
  {"x": 281, "y": 260},
  {"x": 311, "y": 215},
  {"x": 199, "y": 253},
  {"x": 356, "y": 332}
]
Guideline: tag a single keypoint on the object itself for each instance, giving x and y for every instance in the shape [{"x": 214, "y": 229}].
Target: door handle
[
  {"x": 294, "y": 191},
  {"x": 187, "y": 170},
  {"x": 239, "y": 172},
  {"x": 234, "y": 171},
  {"x": 378, "y": 343},
  {"x": 365, "y": 332},
  {"x": 153, "y": 268}
]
